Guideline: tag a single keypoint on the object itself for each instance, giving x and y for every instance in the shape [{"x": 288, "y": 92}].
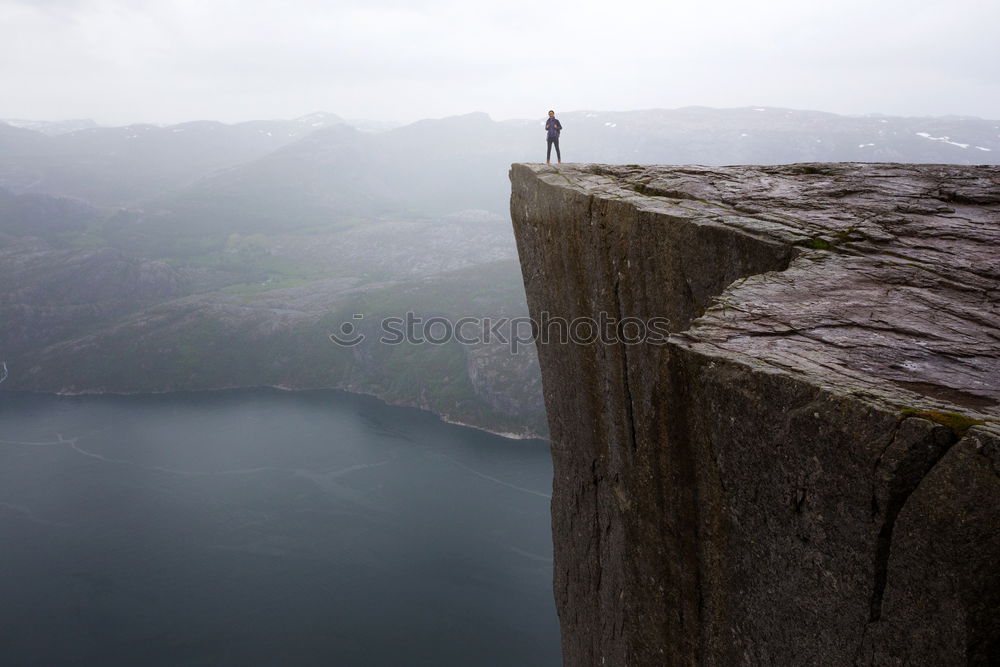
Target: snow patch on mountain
[{"x": 946, "y": 140}]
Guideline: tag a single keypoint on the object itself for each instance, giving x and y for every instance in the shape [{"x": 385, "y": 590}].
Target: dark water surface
[{"x": 268, "y": 528}]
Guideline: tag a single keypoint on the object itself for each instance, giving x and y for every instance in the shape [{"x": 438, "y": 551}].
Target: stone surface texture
[{"x": 806, "y": 471}]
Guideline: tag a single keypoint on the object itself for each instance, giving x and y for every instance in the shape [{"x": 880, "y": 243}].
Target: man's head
[{"x": 552, "y": 114}]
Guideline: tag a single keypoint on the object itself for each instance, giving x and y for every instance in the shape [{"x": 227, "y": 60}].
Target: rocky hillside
[{"x": 260, "y": 311}]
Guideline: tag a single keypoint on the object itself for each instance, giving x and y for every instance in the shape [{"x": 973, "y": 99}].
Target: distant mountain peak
[
  {"x": 51, "y": 127},
  {"x": 319, "y": 119},
  {"x": 477, "y": 116}
]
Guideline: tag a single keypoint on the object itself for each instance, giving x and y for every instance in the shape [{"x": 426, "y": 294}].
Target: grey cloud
[{"x": 397, "y": 60}]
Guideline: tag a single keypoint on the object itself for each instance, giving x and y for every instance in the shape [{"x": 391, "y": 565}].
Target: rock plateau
[{"x": 806, "y": 471}]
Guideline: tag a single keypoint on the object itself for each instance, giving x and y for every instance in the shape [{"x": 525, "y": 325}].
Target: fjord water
[{"x": 258, "y": 527}]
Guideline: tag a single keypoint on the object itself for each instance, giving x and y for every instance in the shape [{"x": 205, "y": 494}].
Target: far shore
[{"x": 527, "y": 435}]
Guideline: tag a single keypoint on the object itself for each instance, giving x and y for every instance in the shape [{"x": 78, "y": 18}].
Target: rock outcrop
[{"x": 806, "y": 470}]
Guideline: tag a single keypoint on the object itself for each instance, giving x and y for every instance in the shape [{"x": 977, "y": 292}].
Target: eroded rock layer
[{"x": 806, "y": 470}]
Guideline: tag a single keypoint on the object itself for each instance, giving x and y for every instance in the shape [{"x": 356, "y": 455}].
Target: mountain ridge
[{"x": 414, "y": 218}]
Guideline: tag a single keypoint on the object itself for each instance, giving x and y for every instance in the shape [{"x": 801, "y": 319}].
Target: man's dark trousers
[{"x": 548, "y": 153}]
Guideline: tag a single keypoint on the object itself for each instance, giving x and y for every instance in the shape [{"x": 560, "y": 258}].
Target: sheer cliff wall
[{"x": 807, "y": 469}]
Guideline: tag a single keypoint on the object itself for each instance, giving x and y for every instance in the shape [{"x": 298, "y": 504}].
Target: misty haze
[{"x": 208, "y": 453}]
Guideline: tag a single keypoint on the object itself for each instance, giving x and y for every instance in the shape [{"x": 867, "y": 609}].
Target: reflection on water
[{"x": 268, "y": 528}]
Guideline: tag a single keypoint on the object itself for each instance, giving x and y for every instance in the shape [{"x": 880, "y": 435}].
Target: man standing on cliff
[{"x": 552, "y": 129}]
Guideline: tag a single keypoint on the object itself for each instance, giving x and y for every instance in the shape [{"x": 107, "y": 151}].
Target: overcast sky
[{"x": 119, "y": 61}]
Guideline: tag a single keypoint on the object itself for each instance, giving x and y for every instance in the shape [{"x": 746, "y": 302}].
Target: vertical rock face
[{"x": 806, "y": 468}]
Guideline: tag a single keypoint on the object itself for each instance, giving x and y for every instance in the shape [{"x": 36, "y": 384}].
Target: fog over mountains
[{"x": 205, "y": 255}]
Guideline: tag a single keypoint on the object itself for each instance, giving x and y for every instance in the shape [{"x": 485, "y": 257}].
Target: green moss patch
[
  {"x": 818, "y": 244},
  {"x": 956, "y": 421}
]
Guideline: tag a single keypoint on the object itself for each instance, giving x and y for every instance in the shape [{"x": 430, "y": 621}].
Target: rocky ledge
[{"x": 806, "y": 470}]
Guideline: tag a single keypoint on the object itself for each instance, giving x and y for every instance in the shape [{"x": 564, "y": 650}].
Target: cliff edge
[{"x": 783, "y": 444}]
